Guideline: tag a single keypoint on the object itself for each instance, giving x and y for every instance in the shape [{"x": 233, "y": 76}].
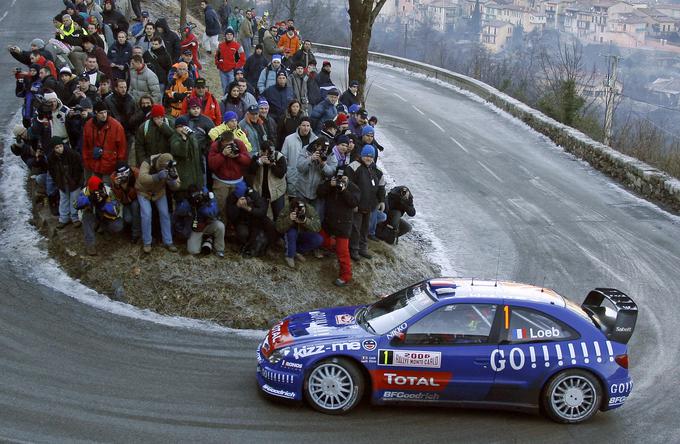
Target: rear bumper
[{"x": 617, "y": 392}]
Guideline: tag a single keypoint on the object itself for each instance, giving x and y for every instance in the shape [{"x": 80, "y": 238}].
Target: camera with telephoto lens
[
  {"x": 171, "y": 168},
  {"x": 199, "y": 199},
  {"x": 404, "y": 193},
  {"x": 339, "y": 181},
  {"x": 300, "y": 212},
  {"x": 207, "y": 245},
  {"x": 234, "y": 148},
  {"x": 188, "y": 130}
]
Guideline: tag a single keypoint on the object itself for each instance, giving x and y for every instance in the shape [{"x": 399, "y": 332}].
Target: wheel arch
[
  {"x": 598, "y": 377},
  {"x": 368, "y": 382}
]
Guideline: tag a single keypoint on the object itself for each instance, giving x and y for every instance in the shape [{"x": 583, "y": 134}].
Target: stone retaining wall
[{"x": 633, "y": 173}]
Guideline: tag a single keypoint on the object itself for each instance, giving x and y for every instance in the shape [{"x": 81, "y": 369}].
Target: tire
[
  {"x": 572, "y": 397},
  {"x": 334, "y": 386}
]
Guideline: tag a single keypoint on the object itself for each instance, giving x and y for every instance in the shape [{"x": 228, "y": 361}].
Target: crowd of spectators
[{"x": 121, "y": 131}]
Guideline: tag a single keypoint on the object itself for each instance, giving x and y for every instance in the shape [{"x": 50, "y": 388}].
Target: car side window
[
  {"x": 453, "y": 324},
  {"x": 526, "y": 325}
]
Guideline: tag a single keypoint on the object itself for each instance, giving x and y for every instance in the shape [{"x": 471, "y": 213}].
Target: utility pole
[
  {"x": 405, "y": 37},
  {"x": 610, "y": 95}
]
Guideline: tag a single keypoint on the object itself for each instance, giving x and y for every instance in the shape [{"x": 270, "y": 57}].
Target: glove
[
  {"x": 381, "y": 206},
  {"x": 160, "y": 176}
]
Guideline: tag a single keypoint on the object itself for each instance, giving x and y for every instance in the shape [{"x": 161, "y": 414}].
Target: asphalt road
[{"x": 70, "y": 372}]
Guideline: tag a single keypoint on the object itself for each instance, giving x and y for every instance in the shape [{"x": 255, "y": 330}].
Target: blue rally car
[{"x": 458, "y": 342}]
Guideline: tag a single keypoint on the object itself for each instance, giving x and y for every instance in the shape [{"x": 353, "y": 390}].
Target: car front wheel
[
  {"x": 572, "y": 396},
  {"x": 334, "y": 386}
]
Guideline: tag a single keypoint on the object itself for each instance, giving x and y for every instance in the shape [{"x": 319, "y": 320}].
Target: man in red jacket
[
  {"x": 104, "y": 144},
  {"x": 229, "y": 56},
  {"x": 228, "y": 160}
]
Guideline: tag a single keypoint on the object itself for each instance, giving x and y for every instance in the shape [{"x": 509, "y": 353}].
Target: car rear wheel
[
  {"x": 334, "y": 386},
  {"x": 572, "y": 396}
]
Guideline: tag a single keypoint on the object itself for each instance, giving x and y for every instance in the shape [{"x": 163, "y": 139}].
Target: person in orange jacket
[
  {"x": 179, "y": 89},
  {"x": 289, "y": 42}
]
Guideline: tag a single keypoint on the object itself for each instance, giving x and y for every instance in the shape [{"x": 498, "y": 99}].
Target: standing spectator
[
  {"x": 201, "y": 214},
  {"x": 329, "y": 130},
  {"x": 341, "y": 151},
  {"x": 228, "y": 57},
  {"x": 279, "y": 95},
  {"x": 246, "y": 96},
  {"x": 143, "y": 80},
  {"x": 144, "y": 41},
  {"x": 269, "y": 177},
  {"x": 371, "y": 183},
  {"x": 247, "y": 212},
  {"x": 49, "y": 82},
  {"x": 304, "y": 55},
  {"x": 298, "y": 83},
  {"x": 158, "y": 60},
  {"x": 325, "y": 110},
  {"x": 120, "y": 54},
  {"x": 290, "y": 43},
  {"x": 170, "y": 38},
  {"x": 350, "y": 96},
  {"x": 230, "y": 124},
  {"x": 254, "y": 129},
  {"x": 399, "y": 201},
  {"x": 289, "y": 123},
  {"x": 209, "y": 105},
  {"x": 313, "y": 90},
  {"x": 143, "y": 113},
  {"x": 228, "y": 160},
  {"x": 28, "y": 87},
  {"x": 123, "y": 182},
  {"x": 70, "y": 83},
  {"x": 185, "y": 150},
  {"x": 122, "y": 107},
  {"x": 92, "y": 59},
  {"x": 155, "y": 175},
  {"x": 103, "y": 144},
  {"x": 153, "y": 136},
  {"x": 114, "y": 18},
  {"x": 225, "y": 12},
  {"x": 314, "y": 166},
  {"x": 245, "y": 33},
  {"x": 268, "y": 122},
  {"x": 357, "y": 122},
  {"x": 341, "y": 197},
  {"x": 192, "y": 70},
  {"x": 178, "y": 89},
  {"x": 98, "y": 207},
  {"x": 235, "y": 18},
  {"x": 189, "y": 43},
  {"x": 300, "y": 226},
  {"x": 137, "y": 10},
  {"x": 232, "y": 101},
  {"x": 292, "y": 146},
  {"x": 201, "y": 125},
  {"x": 267, "y": 76},
  {"x": 66, "y": 169},
  {"x": 254, "y": 66},
  {"x": 212, "y": 27},
  {"x": 269, "y": 45}
]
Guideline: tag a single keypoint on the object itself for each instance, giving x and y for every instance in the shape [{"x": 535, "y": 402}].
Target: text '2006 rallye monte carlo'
[{"x": 458, "y": 342}]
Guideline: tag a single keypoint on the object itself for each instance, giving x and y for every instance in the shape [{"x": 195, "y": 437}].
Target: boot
[{"x": 54, "y": 204}]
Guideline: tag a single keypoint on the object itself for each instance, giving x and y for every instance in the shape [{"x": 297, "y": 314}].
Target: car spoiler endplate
[{"x": 619, "y": 328}]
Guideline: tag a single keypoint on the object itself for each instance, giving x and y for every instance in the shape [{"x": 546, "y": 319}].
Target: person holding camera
[
  {"x": 371, "y": 183},
  {"x": 399, "y": 201},
  {"x": 153, "y": 136},
  {"x": 98, "y": 207},
  {"x": 341, "y": 197},
  {"x": 104, "y": 143},
  {"x": 231, "y": 124},
  {"x": 123, "y": 182},
  {"x": 247, "y": 212},
  {"x": 197, "y": 218},
  {"x": 300, "y": 225},
  {"x": 314, "y": 165},
  {"x": 66, "y": 169},
  {"x": 186, "y": 151},
  {"x": 293, "y": 145},
  {"x": 228, "y": 160},
  {"x": 269, "y": 177},
  {"x": 154, "y": 176}
]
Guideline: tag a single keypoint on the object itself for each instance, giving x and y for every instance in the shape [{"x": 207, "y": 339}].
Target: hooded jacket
[
  {"x": 148, "y": 185},
  {"x": 212, "y": 22},
  {"x": 170, "y": 38},
  {"x": 115, "y": 19}
]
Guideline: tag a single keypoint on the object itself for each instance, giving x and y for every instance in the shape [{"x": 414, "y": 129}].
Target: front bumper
[{"x": 277, "y": 381}]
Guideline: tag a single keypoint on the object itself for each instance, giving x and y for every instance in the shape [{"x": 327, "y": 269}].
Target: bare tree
[
  {"x": 183, "y": 6},
  {"x": 362, "y": 15}
]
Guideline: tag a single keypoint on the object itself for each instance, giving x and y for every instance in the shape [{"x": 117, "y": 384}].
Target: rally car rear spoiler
[{"x": 617, "y": 317}]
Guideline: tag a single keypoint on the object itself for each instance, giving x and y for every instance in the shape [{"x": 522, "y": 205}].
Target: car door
[
  {"x": 532, "y": 345},
  {"x": 445, "y": 355}
]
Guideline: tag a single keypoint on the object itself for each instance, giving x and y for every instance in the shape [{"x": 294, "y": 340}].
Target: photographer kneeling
[
  {"x": 399, "y": 201},
  {"x": 301, "y": 225},
  {"x": 123, "y": 182},
  {"x": 98, "y": 206},
  {"x": 154, "y": 175},
  {"x": 200, "y": 212},
  {"x": 247, "y": 211}
]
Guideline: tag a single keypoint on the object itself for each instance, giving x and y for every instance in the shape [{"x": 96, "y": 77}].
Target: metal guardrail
[{"x": 633, "y": 173}]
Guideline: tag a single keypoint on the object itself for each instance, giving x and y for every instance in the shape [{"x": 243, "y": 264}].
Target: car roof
[{"x": 454, "y": 288}]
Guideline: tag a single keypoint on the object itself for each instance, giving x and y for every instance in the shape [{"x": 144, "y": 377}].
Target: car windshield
[{"x": 392, "y": 311}]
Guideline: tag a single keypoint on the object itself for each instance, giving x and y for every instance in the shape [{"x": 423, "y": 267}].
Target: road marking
[
  {"x": 459, "y": 144},
  {"x": 378, "y": 86},
  {"x": 416, "y": 108},
  {"x": 3, "y": 16},
  {"x": 437, "y": 125},
  {"x": 400, "y": 97},
  {"x": 490, "y": 172}
]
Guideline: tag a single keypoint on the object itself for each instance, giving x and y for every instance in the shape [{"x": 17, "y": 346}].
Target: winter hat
[
  {"x": 157, "y": 110},
  {"x": 54, "y": 141},
  {"x": 162, "y": 160},
  {"x": 240, "y": 189},
  {"x": 354, "y": 83},
  {"x": 94, "y": 183},
  {"x": 50, "y": 96},
  {"x": 229, "y": 30},
  {"x": 85, "y": 103},
  {"x": 122, "y": 167},
  {"x": 342, "y": 138},
  {"x": 259, "y": 46},
  {"x": 181, "y": 121},
  {"x": 253, "y": 109},
  {"x": 341, "y": 119},
  {"x": 368, "y": 151},
  {"x": 326, "y": 63},
  {"x": 276, "y": 57},
  {"x": 100, "y": 106},
  {"x": 280, "y": 73},
  {"x": 187, "y": 52},
  {"x": 363, "y": 113},
  {"x": 180, "y": 65},
  {"x": 194, "y": 102},
  {"x": 65, "y": 69},
  {"x": 19, "y": 131},
  {"x": 239, "y": 71},
  {"x": 229, "y": 115},
  {"x": 333, "y": 92},
  {"x": 200, "y": 83},
  {"x": 330, "y": 123},
  {"x": 353, "y": 109},
  {"x": 263, "y": 102},
  {"x": 40, "y": 43},
  {"x": 368, "y": 129},
  {"x": 34, "y": 66}
]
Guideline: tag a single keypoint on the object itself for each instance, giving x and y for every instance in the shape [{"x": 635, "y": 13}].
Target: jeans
[
  {"x": 132, "y": 216},
  {"x": 89, "y": 222},
  {"x": 145, "y": 209},
  {"x": 359, "y": 240},
  {"x": 246, "y": 44},
  {"x": 301, "y": 242},
  {"x": 226, "y": 78},
  {"x": 46, "y": 181},
  {"x": 376, "y": 218},
  {"x": 66, "y": 209}
]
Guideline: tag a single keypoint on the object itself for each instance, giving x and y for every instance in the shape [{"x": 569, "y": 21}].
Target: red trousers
[{"x": 341, "y": 245}]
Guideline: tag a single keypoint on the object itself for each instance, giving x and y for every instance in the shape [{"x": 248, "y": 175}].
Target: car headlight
[{"x": 278, "y": 355}]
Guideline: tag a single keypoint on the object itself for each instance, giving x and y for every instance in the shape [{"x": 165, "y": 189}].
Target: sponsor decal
[
  {"x": 410, "y": 380},
  {"x": 344, "y": 319},
  {"x": 369, "y": 345},
  {"x": 621, "y": 388},
  {"x": 369, "y": 359},
  {"x": 617, "y": 400},
  {"x": 318, "y": 324},
  {"x": 277, "y": 392},
  {"x": 523, "y": 333},
  {"x": 344, "y": 346},
  {"x": 517, "y": 358},
  {"x": 410, "y": 358},
  {"x": 624, "y": 329},
  {"x": 397, "y": 330},
  {"x": 395, "y": 396},
  {"x": 294, "y": 365},
  {"x": 279, "y": 335},
  {"x": 309, "y": 350}
]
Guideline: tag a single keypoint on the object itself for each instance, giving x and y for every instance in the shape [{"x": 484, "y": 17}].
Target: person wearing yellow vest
[{"x": 230, "y": 124}]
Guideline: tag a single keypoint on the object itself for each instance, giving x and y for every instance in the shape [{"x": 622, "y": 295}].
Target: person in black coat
[
  {"x": 399, "y": 201},
  {"x": 66, "y": 169},
  {"x": 351, "y": 95},
  {"x": 254, "y": 66},
  {"x": 122, "y": 107},
  {"x": 342, "y": 197},
  {"x": 120, "y": 54},
  {"x": 114, "y": 18},
  {"x": 158, "y": 60},
  {"x": 247, "y": 211},
  {"x": 170, "y": 38}
]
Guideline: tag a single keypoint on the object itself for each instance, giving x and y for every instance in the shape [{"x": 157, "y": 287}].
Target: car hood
[{"x": 330, "y": 323}]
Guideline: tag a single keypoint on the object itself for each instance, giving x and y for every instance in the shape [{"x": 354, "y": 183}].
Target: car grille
[{"x": 275, "y": 376}]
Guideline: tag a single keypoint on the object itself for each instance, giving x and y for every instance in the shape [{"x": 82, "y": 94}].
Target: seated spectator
[
  {"x": 300, "y": 225},
  {"x": 399, "y": 201},
  {"x": 247, "y": 212},
  {"x": 123, "y": 182},
  {"x": 98, "y": 207},
  {"x": 66, "y": 169},
  {"x": 198, "y": 217}
]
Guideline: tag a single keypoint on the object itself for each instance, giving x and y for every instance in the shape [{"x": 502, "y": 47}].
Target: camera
[
  {"x": 404, "y": 192},
  {"x": 199, "y": 198},
  {"x": 171, "y": 168},
  {"x": 188, "y": 130},
  {"x": 234, "y": 148},
  {"x": 300, "y": 212},
  {"x": 207, "y": 245}
]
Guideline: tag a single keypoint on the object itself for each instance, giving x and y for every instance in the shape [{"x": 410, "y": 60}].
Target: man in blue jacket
[
  {"x": 197, "y": 218},
  {"x": 279, "y": 95},
  {"x": 325, "y": 110},
  {"x": 212, "y": 27}
]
